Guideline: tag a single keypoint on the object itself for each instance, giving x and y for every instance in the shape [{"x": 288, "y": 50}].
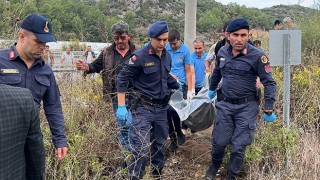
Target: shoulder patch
[
  {"x": 267, "y": 68},
  {"x": 245, "y": 51},
  {"x": 264, "y": 59},
  {"x": 11, "y": 55},
  {"x": 132, "y": 60}
]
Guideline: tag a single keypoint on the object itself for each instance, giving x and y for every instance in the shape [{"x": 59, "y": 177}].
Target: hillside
[{"x": 91, "y": 20}]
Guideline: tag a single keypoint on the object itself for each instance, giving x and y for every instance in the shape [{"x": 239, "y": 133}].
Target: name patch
[
  {"x": 10, "y": 71},
  {"x": 149, "y": 64}
]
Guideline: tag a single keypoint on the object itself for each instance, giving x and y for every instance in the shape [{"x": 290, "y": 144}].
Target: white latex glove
[
  {"x": 189, "y": 95},
  {"x": 193, "y": 92}
]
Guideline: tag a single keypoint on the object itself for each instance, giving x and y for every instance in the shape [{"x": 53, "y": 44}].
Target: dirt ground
[{"x": 192, "y": 159}]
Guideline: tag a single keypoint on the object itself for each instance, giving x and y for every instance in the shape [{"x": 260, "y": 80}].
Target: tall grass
[{"x": 277, "y": 152}]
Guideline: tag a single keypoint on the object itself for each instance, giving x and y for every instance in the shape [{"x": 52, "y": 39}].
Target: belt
[
  {"x": 153, "y": 102},
  {"x": 250, "y": 98}
]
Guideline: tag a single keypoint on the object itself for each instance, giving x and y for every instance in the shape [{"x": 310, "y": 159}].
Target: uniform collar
[
  {"x": 152, "y": 51},
  {"x": 13, "y": 55},
  {"x": 244, "y": 51}
]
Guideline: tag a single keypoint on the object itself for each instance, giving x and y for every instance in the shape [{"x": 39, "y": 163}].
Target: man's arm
[
  {"x": 270, "y": 86},
  {"x": 208, "y": 62},
  {"x": 95, "y": 67},
  {"x": 189, "y": 76},
  {"x": 215, "y": 77},
  {"x": 193, "y": 77},
  {"x": 187, "y": 62},
  {"x": 128, "y": 71},
  {"x": 34, "y": 147},
  {"x": 53, "y": 110}
]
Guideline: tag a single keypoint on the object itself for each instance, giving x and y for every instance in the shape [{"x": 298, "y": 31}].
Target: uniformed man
[
  {"x": 239, "y": 64},
  {"x": 148, "y": 69},
  {"x": 23, "y": 66}
]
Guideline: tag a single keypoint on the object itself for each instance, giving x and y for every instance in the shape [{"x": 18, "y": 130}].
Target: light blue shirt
[
  {"x": 199, "y": 68},
  {"x": 180, "y": 58}
]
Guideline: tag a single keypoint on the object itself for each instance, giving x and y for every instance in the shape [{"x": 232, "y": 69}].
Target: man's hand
[
  {"x": 269, "y": 116},
  {"x": 212, "y": 94},
  {"x": 258, "y": 83},
  {"x": 180, "y": 86},
  {"x": 190, "y": 95},
  {"x": 81, "y": 65},
  {"x": 61, "y": 152},
  {"x": 122, "y": 113}
]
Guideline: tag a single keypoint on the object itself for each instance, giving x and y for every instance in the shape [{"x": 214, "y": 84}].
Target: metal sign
[{"x": 276, "y": 47}]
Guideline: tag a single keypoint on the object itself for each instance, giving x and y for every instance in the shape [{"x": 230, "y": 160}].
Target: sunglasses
[{"x": 117, "y": 38}]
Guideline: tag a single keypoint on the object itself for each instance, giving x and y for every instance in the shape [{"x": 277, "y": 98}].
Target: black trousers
[{"x": 174, "y": 121}]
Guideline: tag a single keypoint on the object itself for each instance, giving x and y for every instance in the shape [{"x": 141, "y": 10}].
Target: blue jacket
[
  {"x": 149, "y": 73},
  {"x": 239, "y": 74},
  {"x": 40, "y": 80}
]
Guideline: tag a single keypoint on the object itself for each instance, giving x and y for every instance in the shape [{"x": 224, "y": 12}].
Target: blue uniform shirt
[
  {"x": 39, "y": 79},
  {"x": 180, "y": 58},
  {"x": 199, "y": 68},
  {"x": 149, "y": 73},
  {"x": 240, "y": 73}
]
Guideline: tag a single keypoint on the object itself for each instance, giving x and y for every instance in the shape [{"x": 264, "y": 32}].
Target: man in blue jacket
[
  {"x": 23, "y": 66},
  {"x": 239, "y": 64},
  {"x": 148, "y": 70}
]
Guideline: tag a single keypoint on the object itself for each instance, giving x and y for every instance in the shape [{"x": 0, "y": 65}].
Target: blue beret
[
  {"x": 40, "y": 26},
  {"x": 158, "y": 28},
  {"x": 237, "y": 24}
]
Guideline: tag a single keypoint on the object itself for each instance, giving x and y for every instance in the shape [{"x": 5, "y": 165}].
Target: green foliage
[
  {"x": 91, "y": 20},
  {"x": 310, "y": 39}
]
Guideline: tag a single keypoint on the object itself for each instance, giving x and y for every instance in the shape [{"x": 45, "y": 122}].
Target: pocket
[
  {"x": 43, "y": 80},
  {"x": 251, "y": 128},
  {"x": 42, "y": 83},
  {"x": 222, "y": 64},
  {"x": 242, "y": 67},
  {"x": 10, "y": 79},
  {"x": 151, "y": 72}
]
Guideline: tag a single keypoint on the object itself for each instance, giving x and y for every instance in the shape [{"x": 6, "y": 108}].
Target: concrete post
[{"x": 190, "y": 23}]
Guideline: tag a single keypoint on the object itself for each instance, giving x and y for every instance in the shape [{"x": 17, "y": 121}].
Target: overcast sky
[{"x": 268, "y": 3}]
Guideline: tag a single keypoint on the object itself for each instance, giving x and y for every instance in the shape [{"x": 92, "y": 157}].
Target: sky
[{"x": 268, "y": 3}]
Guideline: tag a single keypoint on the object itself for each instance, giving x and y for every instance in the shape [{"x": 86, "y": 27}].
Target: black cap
[
  {"x": 237, "y": 24},
  {"x": 158, "y": 28},
  {"x": 40, "y": 26}
]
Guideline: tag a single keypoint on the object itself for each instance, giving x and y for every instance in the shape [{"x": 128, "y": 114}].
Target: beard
[{"x": 121, "y": 46}]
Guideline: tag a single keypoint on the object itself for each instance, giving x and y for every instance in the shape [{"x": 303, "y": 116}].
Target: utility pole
[{"x": 190, "y": 23}]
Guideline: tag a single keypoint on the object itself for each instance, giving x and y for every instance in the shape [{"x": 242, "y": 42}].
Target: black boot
[
  {"x": 181, "y": 138},
  {"x": 232, "y": 176},
  {"x": 156, "y": 174},
  {"x": 173, "y": 145},
  {"x": 212, "y": 170},
  {"x": 211, "y": 173}
]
